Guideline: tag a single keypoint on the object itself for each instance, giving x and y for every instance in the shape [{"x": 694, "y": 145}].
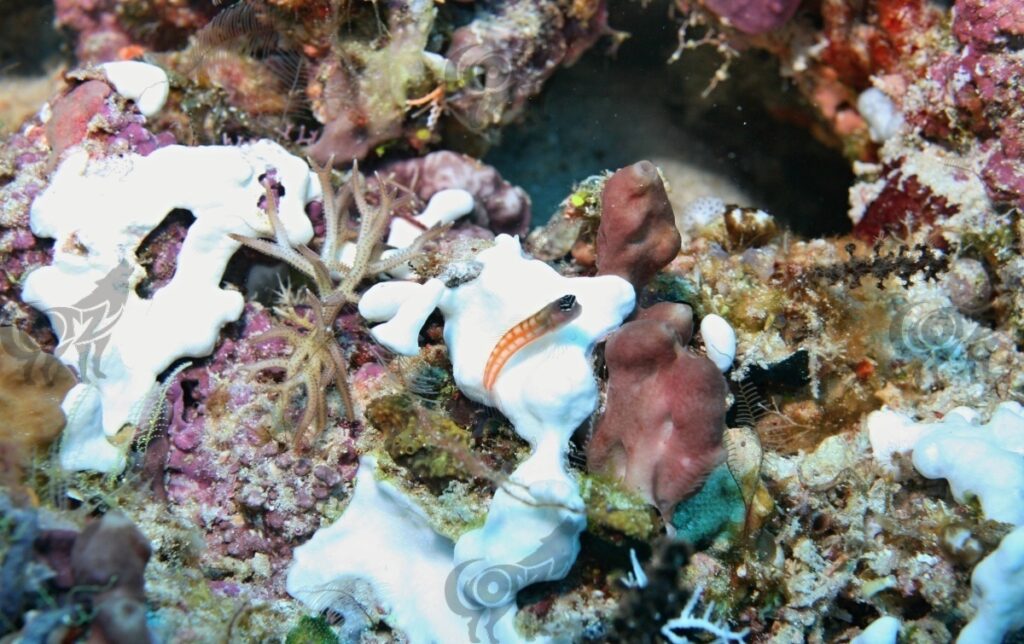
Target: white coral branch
[
  {"x": 688, "y": 621},
  {"x": 637, "y": 578}
]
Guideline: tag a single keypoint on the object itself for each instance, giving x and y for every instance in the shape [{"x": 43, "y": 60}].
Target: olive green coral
[
  {"x": 311, "y": 630},
  {"x": 613, "y": 508},
  {"x": 426, "y": 442}
]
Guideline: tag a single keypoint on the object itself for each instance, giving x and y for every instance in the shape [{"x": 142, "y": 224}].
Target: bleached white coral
[
  {"x": 546, "y": 389},
  {"x": 548, "y": 386},
  {"x": 531, "y": 533},
  {"x": 892, "y": 433},
  {"x": 997, "y": 592},
  {"x": 985, "y": 461},
  {"x": 385, "y": 540},
  {"x": 445, "y": 207},
  {"x": 883, "y": 630},
  {"x": 883, "y": 116},
  {"x": 83, "y": 445},
  {"x": 704, "y": 623},
  {"x": 98, "y": 213},
  {"x": 143, "y": 83}
]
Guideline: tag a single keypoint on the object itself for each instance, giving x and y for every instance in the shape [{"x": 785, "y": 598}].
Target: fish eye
[{"x": 566, "y": 302}]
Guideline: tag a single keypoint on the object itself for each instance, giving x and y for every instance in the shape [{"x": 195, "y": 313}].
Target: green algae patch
[
  {"x": 667, "y": 287},
  {"x": 611, "y": 508},
  {"x": 311, "y": 630},
  {"x": 428, "y": 444}
]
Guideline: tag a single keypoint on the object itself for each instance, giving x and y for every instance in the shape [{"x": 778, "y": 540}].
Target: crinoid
[{"x": 317, "y": 360}]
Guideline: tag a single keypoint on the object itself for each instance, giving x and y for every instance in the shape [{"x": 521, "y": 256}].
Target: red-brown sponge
[
  {"x": 662, "y": 429},
  {"x": 637, "y": 236}
]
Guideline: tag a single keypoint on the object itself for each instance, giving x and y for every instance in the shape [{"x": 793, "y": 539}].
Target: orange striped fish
[{"x": 550, "y": 318}]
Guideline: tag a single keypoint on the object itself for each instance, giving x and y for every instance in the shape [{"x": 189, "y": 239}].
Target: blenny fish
[{"x": 550, "y": 318}]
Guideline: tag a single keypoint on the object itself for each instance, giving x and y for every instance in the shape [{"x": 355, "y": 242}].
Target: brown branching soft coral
[{"x": 316, "y": 360}]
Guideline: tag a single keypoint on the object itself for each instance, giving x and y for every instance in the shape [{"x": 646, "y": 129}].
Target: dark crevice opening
[
  {"x": 29, "y": 45},
  {"x": 753, "y": 131},
  {"x": 158, "y": 252}
]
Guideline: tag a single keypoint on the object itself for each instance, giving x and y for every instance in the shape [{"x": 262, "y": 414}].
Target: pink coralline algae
[
  {"x": 661, "y": 433},
  {"x": 969, "y": 91},
  {"x": 1004, "y": 175},
  {"x": 866, "y": 40},
  {"x": 88, "y": 114},
  {"x": 637, "y": 235},
  {"x": 19, "y": 249},
  {"x": 501, "y": 207},
  {"x": 903, "y": 202},
  {"x": 754, "y": 16},
  {"x": 109, "y": 30},
  {"x": 253, "y": 494},
  {"x": 982, "y": 24},
  {"x": 976, "y": 90}
]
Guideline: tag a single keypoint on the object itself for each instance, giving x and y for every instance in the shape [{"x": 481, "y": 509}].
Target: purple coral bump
[{"x": 754, "y": 16}]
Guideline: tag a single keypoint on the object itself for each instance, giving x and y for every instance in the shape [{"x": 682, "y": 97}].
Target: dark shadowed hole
[
  {"x": 28, "y": 41},
  {"x": 259, "y": 277},
  {"x": 915, "y": 607},
  {"x": 845, "y": 612},
  {"x": 752, "y": 132},
  {"x": 158, "y": 252}
]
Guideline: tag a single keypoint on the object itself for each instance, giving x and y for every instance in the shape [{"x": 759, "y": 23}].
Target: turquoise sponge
[{"x": 717, "y": 507}]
